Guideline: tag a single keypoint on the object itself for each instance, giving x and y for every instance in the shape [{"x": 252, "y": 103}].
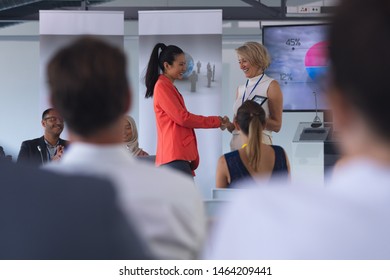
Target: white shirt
[
  {"x": 165, "y": 206},
  {"x": 349, "y": 219},
  {"x": 257, "y": 86},
  {"x": 251, "y": 90}
]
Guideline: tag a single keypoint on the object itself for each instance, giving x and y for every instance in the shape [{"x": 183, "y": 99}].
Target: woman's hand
[
  {"x": 225, "y": 123},
  {"x": 230, "y": 126}
]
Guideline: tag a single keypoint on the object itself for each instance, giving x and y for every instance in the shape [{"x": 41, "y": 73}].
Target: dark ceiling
[{"x": 15, "y": 11}]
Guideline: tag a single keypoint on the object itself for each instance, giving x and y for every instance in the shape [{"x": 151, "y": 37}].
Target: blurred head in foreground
[
  {"x": 89, "y": 87},
  {"x": 359, "y": 94},
  {"x": 348, "y": 219}
]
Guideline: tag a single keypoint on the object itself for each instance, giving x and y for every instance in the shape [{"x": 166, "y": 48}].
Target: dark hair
[
  {"x": 46, "y": 112},
  {"x": 2, "y": 153},
  {"x": 251, "y": 119},
  {"x": 156, "y": 63},
  {"x": 88, "y": 84},
  {"x": 360, "y": 59}
]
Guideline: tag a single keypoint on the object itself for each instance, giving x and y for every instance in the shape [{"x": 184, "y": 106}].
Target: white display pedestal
[{"x": 308, "y": 160}]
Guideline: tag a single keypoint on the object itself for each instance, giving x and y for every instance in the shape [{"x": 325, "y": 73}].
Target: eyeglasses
[{"x": 54, "y": 119}]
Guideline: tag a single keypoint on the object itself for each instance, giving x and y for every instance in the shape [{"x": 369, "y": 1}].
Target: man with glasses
[{"x": 50, "y": 146}]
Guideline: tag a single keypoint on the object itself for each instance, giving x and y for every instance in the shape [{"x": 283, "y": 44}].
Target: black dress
[{"x": 237, "y": 169}]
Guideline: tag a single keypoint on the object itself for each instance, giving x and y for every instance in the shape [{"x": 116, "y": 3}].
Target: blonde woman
[{"x": 253, "y": 59}]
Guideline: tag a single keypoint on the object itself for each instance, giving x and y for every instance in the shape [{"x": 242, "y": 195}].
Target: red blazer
[{"x": 176, "y": 138}]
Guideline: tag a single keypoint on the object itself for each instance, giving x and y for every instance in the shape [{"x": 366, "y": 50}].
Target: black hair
[
  {"x": 88, "y": 84},
  {"x": 2, "y": 153},
  {"x": 46, "y": 112},
  {"x": 156, "y": 64},
  {"x": 251, "y": 119},
  {"x": 359, "y": 43}
]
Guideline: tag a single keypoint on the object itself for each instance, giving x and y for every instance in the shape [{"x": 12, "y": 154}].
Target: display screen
[{"x": 299, "y": 62}]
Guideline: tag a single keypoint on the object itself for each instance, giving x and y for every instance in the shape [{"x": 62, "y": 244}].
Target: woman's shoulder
[
  {"x": 232, "y": 153},
  {"x": 267, "y": 81},
  {"x": 240, "y": 89},
  {"x": 163, "y": 80},
  {"x": 163, "y": 83},
  {"x": 268, "y": 78},
  {"x": 232, "y": 156},
  {"x": 277, "y": 148},
  {"x": 280, "y": 153}
]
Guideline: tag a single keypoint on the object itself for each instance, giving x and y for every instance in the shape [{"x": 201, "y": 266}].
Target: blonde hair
[{"x": 256, "y": 54}]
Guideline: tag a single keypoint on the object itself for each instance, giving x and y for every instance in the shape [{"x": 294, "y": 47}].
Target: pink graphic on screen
[{"x": 316, "y": 60}]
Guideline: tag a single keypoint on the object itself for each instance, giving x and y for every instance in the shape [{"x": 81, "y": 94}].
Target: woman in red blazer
[{"x": 176, "y": 140}]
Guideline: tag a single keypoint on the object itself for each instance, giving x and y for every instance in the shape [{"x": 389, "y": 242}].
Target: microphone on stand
[
  {"x": 317, "y": 121},
  {"x": 40, "y": 151}
]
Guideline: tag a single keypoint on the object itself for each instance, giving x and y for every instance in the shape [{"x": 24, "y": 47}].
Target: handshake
[{"x": 226, "y": 123}]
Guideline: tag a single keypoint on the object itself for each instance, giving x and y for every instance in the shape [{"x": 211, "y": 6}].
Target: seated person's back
[
  {"x": 254, "y": 158},
  {"x": 48, "y": 216},
  {"x": 273, "y": 164}
]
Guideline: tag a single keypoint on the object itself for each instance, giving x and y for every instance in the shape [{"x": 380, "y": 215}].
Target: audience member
[
  {"x": 2, "y": 153},
  {"x": 254, "y": 59},
  {"x": 349, "y": 218},
  {"x": 50, "y": 146},
  {"x": 255, "y": 158},
  {"x": 176, "y": 139},
  {"x": 130, "y": 137},
  {"x": 93, "y": 96},
  {"x": 45, "y": 216}
]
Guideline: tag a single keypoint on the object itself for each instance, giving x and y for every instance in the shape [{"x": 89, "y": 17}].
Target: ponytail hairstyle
[
  {"x": 251, "y": 119},
  {"x": 156, "y": 63}
]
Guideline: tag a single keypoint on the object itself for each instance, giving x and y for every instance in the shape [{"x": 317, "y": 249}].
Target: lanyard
[{"x": 247, "y": 81}]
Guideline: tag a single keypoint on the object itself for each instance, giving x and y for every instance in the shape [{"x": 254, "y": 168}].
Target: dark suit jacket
[
  {"x": 48, "y": 216},
  {"x": 29, "y": 152}
]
